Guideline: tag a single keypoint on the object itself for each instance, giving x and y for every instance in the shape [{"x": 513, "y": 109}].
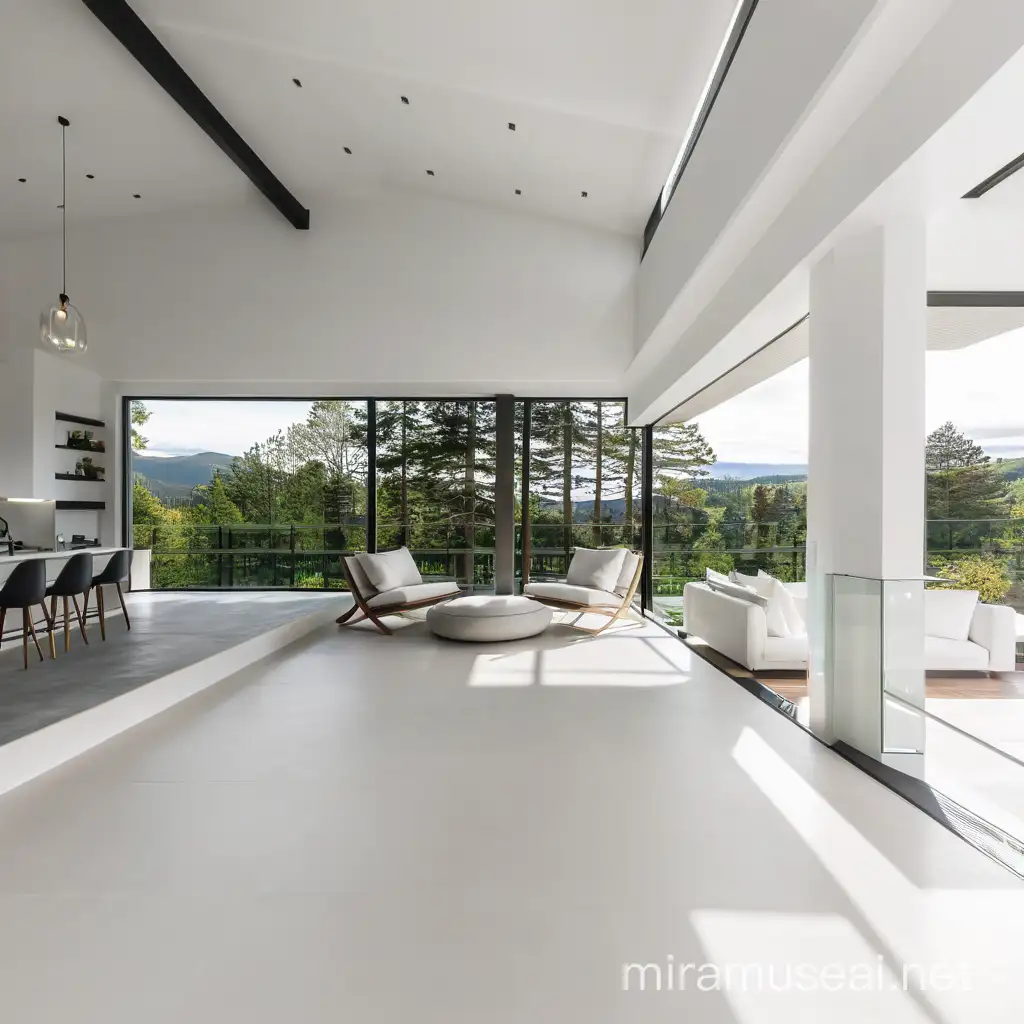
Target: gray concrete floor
[{"x": 169, "y": 632}]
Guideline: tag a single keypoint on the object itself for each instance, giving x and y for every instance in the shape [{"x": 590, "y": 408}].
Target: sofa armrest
[
  {"x": 738, "y": 629},
  {"x": 994, "y": 627}
]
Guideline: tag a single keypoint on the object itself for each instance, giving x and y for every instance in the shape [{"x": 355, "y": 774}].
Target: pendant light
[{"x": 61, "y": 327}]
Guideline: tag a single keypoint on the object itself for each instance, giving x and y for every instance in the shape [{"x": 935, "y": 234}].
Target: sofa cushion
[
  {"x": 786, "y": 648},
  {"x": 784, "y": 598},
  {"x": 711, "y": 576},
  {"x": 626, "y": 574},
  {"x": 948, "y": 613},
  {"x": 764, "y": 588},
  {"x": 570, "y": 594},
  {"x": 597, "y": 568},
  {"x": 737, "y": 590},
  {"x": 362, "y": 581},
  {"x": 414, "y": 593},
  {"x": 941, "y": 653},
  {"x": 390, "y": 570}
]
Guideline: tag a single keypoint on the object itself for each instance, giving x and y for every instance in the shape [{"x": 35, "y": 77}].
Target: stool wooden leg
[
  {"x": 32, "y": 627},
  {"x": 124, "y": 607},
  {"x": 79, "y": 616},
  {"x": 24, "y": 633},
  {"x": 49, "y": 629},
  {"x": 67, "y": 633},
  {"x": 99, "y": 605}
]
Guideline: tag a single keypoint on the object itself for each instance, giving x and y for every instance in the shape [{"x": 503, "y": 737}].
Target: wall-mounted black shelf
[
  {"x": 67, "y": 417},
  {"x": 75, "y": 476},
  {"x": 70, "y": 448},
  {"x": 81, "y": 506}
]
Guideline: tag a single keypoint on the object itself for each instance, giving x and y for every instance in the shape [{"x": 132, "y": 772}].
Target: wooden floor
[{"x": 946, "y": 685}]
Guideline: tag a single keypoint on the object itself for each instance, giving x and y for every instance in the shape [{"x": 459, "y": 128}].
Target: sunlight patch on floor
[
  {"x": 775, "y": 968},
  {"x": 917, "y": 925}
]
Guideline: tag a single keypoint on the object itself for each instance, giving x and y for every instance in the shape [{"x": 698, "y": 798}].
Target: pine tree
[{"x": 962, "y": 483}]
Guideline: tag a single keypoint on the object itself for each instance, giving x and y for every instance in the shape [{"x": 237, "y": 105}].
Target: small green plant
[{"x": 985, "y": 573}]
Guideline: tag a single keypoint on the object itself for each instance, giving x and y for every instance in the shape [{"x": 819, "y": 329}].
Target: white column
[{"x": 866, "y": 500}]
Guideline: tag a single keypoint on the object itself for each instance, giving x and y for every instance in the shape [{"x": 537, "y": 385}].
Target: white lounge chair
[
  {"x": 613, "y": 601},
  {"x": 399, "y": 587}
]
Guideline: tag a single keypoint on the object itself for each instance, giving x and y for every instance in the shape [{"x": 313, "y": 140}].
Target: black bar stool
[
  {"x": 74, "y": 579},
  {"x": 114, "y": 573},
  {"x": 25, "y": 588}
]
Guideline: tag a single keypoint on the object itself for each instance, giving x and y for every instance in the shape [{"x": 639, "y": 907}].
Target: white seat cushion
[
  {"x": 626, "y": 573},
  {"x": 390, "y": 570},
  {"x": 941, "y": 653},
  {"x": 359, "y": 577},
  {"x": 488, "y": 618},
  {"x": 948, "y": 613},
  {"x": 597, "y": 568},
  {"x": 790, "y": 649},
  {"x": 573, "y": 595},
  {"x": 413, "y": 593},
  {"x": 782, "y": 597}
]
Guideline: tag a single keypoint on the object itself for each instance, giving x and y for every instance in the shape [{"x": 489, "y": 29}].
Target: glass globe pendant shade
[{"x": 62, "y": 328}]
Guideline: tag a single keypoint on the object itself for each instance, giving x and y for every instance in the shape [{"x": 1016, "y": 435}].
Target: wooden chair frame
[
  {"x": 613, "y": 611},
  {"x": 28, "y": 628},
  {"x": 373, "y": 614}
]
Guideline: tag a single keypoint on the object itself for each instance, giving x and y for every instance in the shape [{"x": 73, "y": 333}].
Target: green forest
[{"x": 283, "y": 512}]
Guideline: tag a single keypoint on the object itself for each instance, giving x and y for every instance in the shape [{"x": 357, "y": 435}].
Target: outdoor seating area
[
  {"x": 962, "y": 634},
  {"x": 601, "y": 581}
]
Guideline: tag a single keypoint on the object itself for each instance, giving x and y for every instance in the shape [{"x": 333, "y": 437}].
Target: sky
[
  {"x": 187, "y": 427},
  {"x": 978, "y": 388}
]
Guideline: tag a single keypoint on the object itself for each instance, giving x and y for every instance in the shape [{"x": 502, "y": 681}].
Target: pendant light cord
[{"x": 64, "y": 204}]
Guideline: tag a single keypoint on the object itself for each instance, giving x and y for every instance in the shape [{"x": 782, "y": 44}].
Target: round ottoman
[{"x": 486, "y": 617}]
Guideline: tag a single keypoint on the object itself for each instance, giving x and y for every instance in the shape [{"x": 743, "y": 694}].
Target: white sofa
[{"x": 739, "y": 630}]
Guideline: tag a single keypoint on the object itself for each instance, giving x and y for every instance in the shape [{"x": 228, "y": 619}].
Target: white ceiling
[
  {"x": 601, "y": 92},
  {"x": 949, "y": 327}
]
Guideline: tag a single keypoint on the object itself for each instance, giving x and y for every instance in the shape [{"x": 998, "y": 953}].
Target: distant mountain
[
  {"x": 753, "y": 470},
  {"x": 174, "y": 476}
]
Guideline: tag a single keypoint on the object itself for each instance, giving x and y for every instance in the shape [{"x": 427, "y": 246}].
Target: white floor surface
[{"x": 405, "y": 830}]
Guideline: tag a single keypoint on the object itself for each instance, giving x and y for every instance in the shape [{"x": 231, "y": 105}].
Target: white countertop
[{"x": 25, "y": 556}]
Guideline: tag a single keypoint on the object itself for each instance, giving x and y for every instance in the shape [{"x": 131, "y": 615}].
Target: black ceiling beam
[
  {"x": 134, "y": 35},
  {"x": 1004, "y": 172}
]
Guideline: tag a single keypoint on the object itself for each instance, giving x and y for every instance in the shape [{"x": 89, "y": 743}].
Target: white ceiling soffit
[
  {"x": 600, "y": 93},
  {"x": 949, "y": 327},
  {"x": 766, "y": 362}
]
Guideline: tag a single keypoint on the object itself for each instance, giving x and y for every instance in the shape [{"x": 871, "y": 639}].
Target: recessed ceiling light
[
  {"x": 90, "y": 176},
  {"x": 519, "y": 191},
  {"x": 431, "y": 173},
  {"x": 584, "y": 194},
  {"x": 349, "y": 151},
  {"x": 298, "y": 84},
  {"x": 405, "y": 100},
  {"x": 136, "y": 196},
  {"x": 511, "y": 126}
]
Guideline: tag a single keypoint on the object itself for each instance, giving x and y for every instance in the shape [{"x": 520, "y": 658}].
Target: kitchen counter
[{"x": 54, "y": 559}]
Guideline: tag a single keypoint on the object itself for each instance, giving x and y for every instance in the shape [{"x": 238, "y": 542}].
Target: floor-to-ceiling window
[
  {"x": 730, "y": 489},
  {"x": 248, "y": 493},
  {"x": 239, "y": 493},
  {"x": 435, "y": 463},
  {"x": 583, "y": 482}
]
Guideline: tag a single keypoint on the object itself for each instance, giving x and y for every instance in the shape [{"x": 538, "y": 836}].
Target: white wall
[
  {"x": 61, "y": 384},
  {"x": 391, "y": 294}
]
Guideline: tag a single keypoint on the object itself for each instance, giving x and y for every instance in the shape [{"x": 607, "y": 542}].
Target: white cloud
[{"x": 188, "y": 426}]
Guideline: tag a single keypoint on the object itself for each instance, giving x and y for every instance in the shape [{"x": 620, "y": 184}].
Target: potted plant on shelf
[{"x": 91, "y": 471}]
